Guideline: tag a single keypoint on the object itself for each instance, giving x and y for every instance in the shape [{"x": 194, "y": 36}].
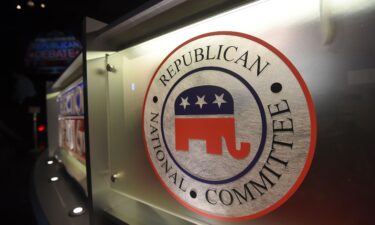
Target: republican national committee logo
[{"x": 229, "y": 126}]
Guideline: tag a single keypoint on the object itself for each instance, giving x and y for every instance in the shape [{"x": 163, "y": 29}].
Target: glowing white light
[
  {"x": 350, "y": 6},
  {"x": 18, "y": 7},
  {"x": 274, "y": 14},
  {"x": 49, "y": 162},
  {"x": 133, "y": 86},
  {"x": 53, "y": 179},
  {"x": 30, "y": 3},
  {"x": 43, "y": 5},
  {"x": 77, "y": 210}
]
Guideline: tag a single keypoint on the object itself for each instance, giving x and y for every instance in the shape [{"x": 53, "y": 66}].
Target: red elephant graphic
[{"x": 207, "y": 113}]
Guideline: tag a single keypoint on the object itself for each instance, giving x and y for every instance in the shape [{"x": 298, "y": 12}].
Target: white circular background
[{"x": 277, "y": 71}]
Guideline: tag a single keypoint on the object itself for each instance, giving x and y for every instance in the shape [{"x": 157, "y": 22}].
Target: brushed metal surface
[
  {"x": 339, "y": 187},
  {"x": 52, "y": 121}
]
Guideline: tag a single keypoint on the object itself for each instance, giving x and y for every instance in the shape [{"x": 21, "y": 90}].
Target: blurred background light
[
  {"x": 30, "y": 3},
  {"x": 41, "y": 128}
]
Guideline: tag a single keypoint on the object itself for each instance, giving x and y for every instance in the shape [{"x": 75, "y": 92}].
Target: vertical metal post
[
  {"x": 35, "y": 110},
  {"x": 35, "y": 120}
]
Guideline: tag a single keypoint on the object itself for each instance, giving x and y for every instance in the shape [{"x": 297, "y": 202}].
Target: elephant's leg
[
  {"x": 230, "y": 139},
  {"x": 213, "y": 144},
  {"x": 182, "y": 135},
  {"x": 216, "y": 128}
]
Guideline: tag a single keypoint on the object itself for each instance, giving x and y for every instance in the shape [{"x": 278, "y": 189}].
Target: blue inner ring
[{"x": 262, "y": 114}]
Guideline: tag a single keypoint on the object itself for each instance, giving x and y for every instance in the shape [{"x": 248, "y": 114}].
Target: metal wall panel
[
  {"x": 330, "y": 43},
  {"x": 52, "y": 121}
]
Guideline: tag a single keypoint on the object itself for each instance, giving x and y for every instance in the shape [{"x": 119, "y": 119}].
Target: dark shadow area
[
  {"x": 15, "y": 166},
  {"x": 23, "y": 88}
]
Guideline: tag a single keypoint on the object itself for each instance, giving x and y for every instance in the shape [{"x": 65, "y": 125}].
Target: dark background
[
  {"x": 18, "y": 29},
  {"x": 340, "y": 184}
]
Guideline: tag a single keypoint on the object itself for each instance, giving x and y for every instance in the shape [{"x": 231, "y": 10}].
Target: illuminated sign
[
  {"x": 52, "y": 53},
  {"x": 71, "y": 122},
  {"x": 229, "y": 126}
]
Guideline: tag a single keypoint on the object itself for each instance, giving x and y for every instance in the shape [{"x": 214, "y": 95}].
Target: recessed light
[
  {"x": 53, "y": 179},
  {"x": 50, "y": 162},
  {"x": 77, "y": 211},
  {"x": 43, "y": 5},
  {"x": 18, "y": 7}
]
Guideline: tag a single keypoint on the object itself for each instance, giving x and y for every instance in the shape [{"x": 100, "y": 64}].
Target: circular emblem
[{"x": 229, "y": 126}]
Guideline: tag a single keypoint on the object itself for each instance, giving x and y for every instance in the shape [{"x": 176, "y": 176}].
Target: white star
[
  {"x": 201, "y": 101},
  {"x": 219, "y": 100},
  {"x": 184, "y": 102}
]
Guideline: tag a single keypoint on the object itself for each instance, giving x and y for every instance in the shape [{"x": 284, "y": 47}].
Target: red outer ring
[{"x": 313, "y": 127}]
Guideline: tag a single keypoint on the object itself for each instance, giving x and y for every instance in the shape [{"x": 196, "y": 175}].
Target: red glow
[{"x": 41, "y": 128}]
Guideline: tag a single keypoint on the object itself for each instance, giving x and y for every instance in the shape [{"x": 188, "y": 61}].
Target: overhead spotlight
[
  {"x": 18, "y": 7},
  {"x": 77, "y": 211},
  {"x": 42, "y": 5},
  {"x": 50, "y": 162},
  {"x": 30, "y": 3}
]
